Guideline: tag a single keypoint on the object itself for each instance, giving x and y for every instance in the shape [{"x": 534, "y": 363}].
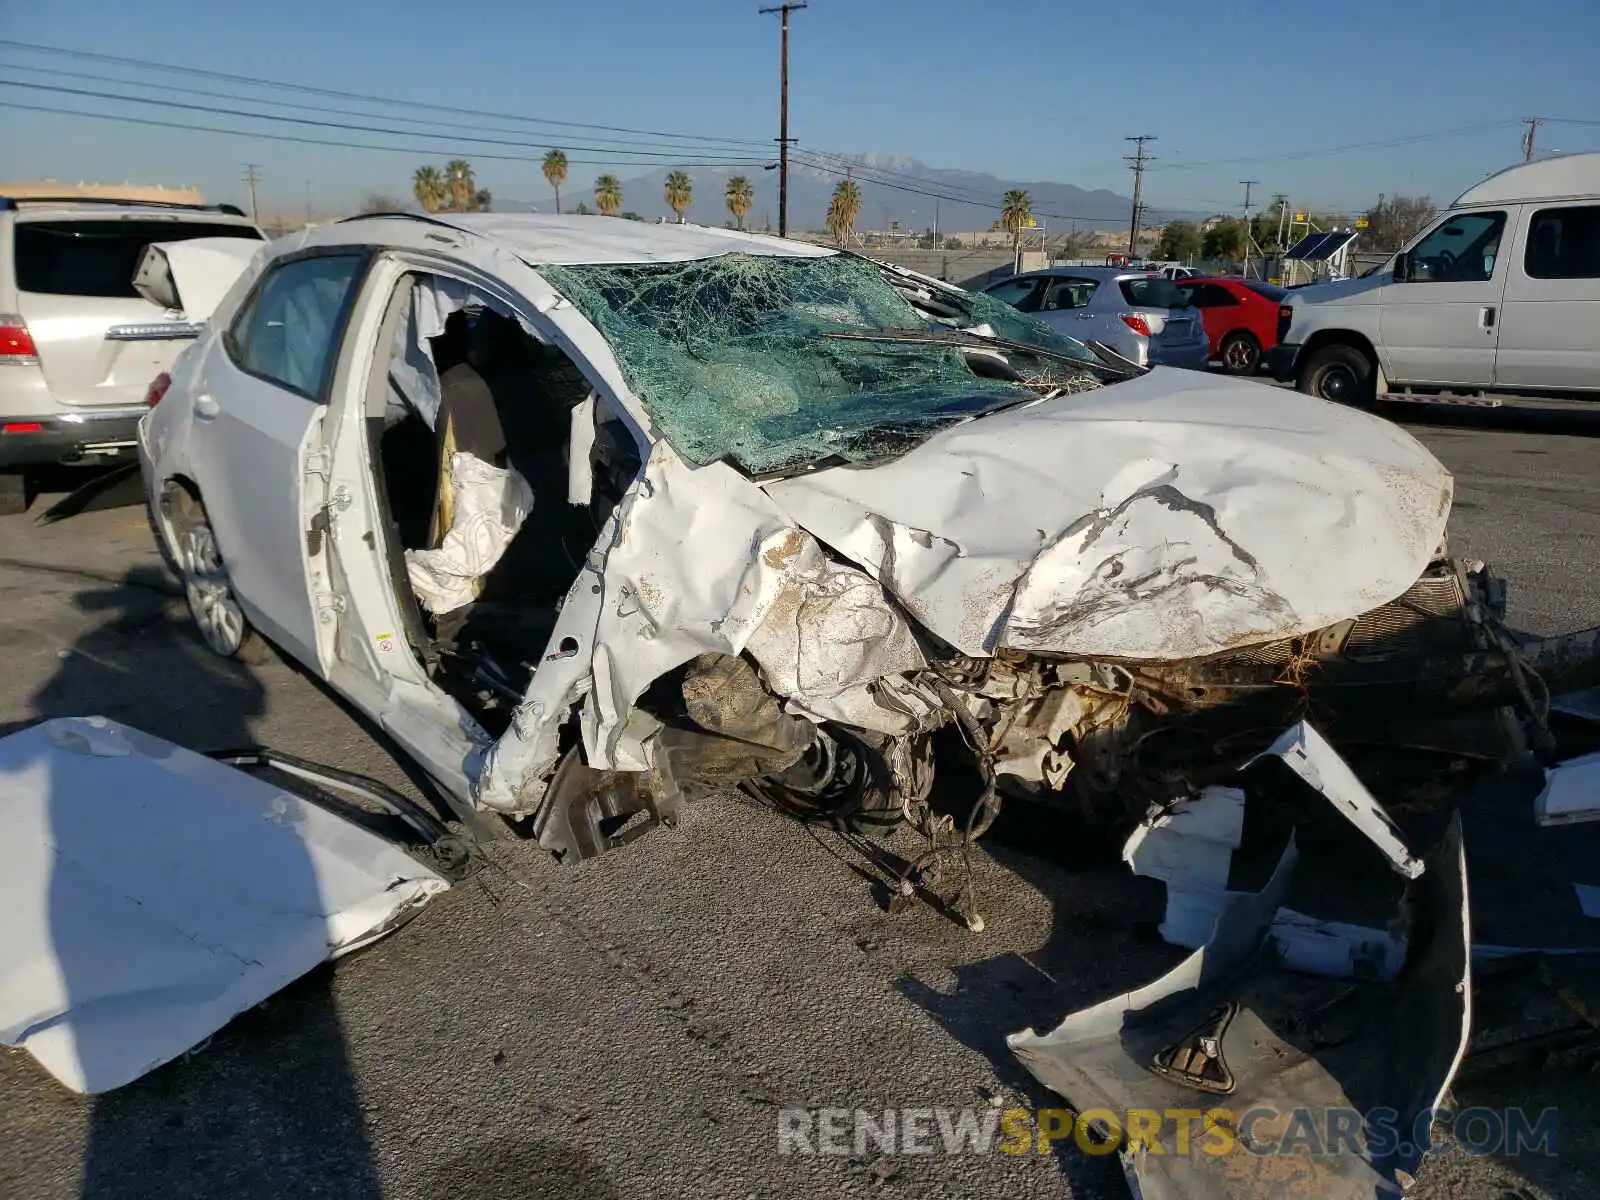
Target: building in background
[{"x": 136, "y": 192}]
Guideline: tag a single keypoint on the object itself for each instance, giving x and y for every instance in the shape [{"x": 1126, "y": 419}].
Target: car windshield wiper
[{"x": 976, "y": 341}]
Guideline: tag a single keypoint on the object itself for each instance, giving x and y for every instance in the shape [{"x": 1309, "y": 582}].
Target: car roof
[
  {"x": 1100, "y": 273},
  {"x": 92, "y": 208},
  {"x": 563, "y": 240}
]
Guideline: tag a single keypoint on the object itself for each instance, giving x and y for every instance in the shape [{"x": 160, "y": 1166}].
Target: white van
[{"x": 1501, "y": 293}]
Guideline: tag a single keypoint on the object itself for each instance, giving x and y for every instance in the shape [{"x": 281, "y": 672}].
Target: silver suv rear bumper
[{"x": 92, "y": 437}]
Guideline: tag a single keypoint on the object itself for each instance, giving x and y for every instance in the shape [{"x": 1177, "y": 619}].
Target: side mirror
[{"x": 1402, "y": 267}]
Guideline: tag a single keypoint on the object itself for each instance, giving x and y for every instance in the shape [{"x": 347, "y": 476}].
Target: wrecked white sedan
[{"x": 579, "y": 509}]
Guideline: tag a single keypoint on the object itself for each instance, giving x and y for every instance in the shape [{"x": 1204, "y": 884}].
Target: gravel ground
[{"x": 629, "y": 1026}]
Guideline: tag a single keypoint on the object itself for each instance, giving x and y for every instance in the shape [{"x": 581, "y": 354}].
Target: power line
[
  {"x": 937, "y": 189},
  {"x": 901, "y": 187},
  {"x": 712, "y": 147},
  {"x": 305, "y": 88},
  {"x": 1139, "y": 159},
  {"x": 1405, "y": 140},
  {"x": 155, "y": 123},
  {"x": 867, "y": 171},
  {"x": 349, "y": 127},
  {"x": 448, "y": 127}
]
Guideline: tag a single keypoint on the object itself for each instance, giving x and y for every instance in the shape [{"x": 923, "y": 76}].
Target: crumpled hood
[{"x": 1166, "y": 517}]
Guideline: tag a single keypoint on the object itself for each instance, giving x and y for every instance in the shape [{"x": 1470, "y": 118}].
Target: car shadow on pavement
[
  {"x": 1102, "y": 942},
  {"x": 1570, "y": 421},
  {"x": 268, "y": 1106}
]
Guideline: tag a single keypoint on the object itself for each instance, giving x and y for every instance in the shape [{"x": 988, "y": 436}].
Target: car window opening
[{"x": 473, "y": 458}]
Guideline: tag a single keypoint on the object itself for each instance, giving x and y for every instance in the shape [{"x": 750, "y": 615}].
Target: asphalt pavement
[{"x": 632, "y": 1026}]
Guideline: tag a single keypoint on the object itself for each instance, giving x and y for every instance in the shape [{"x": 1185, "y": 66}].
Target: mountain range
[{"x": 893, "y": 188}]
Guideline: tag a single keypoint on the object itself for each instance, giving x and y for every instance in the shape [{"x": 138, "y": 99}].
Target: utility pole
[
  {"x": 1527, "y": 139},
  {"x": 1249, "y": 241},
  {"x": 783, "y": 10},
  {"x": 251, "y": 177},
  {"x": 1138, "y": 158}
]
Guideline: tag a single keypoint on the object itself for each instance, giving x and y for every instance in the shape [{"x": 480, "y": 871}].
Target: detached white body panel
[
  {"x": 153, "y": 894},
  {"x": 194, "y": 275}
]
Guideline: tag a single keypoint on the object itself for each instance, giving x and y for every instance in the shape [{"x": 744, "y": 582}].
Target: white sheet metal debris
[
  {"x": 194, "y": 275},
  {"x": 1190, "y": 846},
  {"x": 1584, "y": 704},
  {"x": 1588, "y": 899},
  {"x": 1228, "y": 1028},
  {"x": 1571, "y": 792},
  {"x": 1307, "y": 753},
  {"x": 153, "y": 894}
]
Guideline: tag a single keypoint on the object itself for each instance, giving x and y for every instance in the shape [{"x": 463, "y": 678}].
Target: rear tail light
[
  {"x": 1136, "y": 323},
  {"x": 157, "y": 389},
  {"x": 21, "y": 427},
  {"x": 16, "y": 343}
]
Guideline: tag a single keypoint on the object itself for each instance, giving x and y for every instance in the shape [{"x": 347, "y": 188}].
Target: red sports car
[{"x": 1240, "y": 317}]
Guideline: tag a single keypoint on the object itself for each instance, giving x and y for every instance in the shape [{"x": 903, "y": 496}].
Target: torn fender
[
  {"x": 700, "y": 561},
  {"x": 1171, "y": 516},
  {"x": 1232, "y": 1033},
  {"x": 153, "y": 894}
]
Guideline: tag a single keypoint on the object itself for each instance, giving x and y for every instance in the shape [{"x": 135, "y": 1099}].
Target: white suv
[{"x": 79, "y": 344}]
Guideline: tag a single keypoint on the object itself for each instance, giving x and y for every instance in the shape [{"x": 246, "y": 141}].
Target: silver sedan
[{"x": 1141, "y": 316}]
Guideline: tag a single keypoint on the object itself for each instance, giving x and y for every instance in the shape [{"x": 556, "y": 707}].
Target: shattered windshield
[{"x": 732, "y": 357}]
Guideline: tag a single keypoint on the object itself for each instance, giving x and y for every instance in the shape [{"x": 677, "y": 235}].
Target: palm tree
[
  {"x": 740, "y": 196},
  {"x": 463, "y": 187},
  {"x": 680, "y": 192},
  {"x": 555, "y": 172},
  {"x": 608, "y": 195},
  {"x": 843, "y": 210},
  {"x": 1016, "y": 211},
  {"x": 427, "y": 185}
]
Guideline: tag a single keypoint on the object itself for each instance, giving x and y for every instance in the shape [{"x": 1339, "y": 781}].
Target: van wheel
[
  {"x": 1240, "y": 353},
  {"x": 206, "y": 587},
  {"x": 1341, "y": 374},
  {"x": 13, "y": 493}
]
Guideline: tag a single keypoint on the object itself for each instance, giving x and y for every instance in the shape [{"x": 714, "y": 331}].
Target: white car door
[
  {"x": 258, "y": 411},
  {"x": 1548, "y": 329},
  {"x": 1441, "y": 325}
]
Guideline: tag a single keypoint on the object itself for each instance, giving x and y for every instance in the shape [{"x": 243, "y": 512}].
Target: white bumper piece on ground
[{"x": 153, "y": 894}]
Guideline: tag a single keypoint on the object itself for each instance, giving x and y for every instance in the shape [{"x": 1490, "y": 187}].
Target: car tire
[
  {"x": 1341, "y": 374},
  {"x": 195, "y": 558},
  {"x": 1240, "y": 353},
  {"x": 13, "y": 493}
]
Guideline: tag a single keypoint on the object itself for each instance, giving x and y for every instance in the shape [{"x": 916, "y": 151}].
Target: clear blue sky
[{"x": 1023, "y": 90}]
